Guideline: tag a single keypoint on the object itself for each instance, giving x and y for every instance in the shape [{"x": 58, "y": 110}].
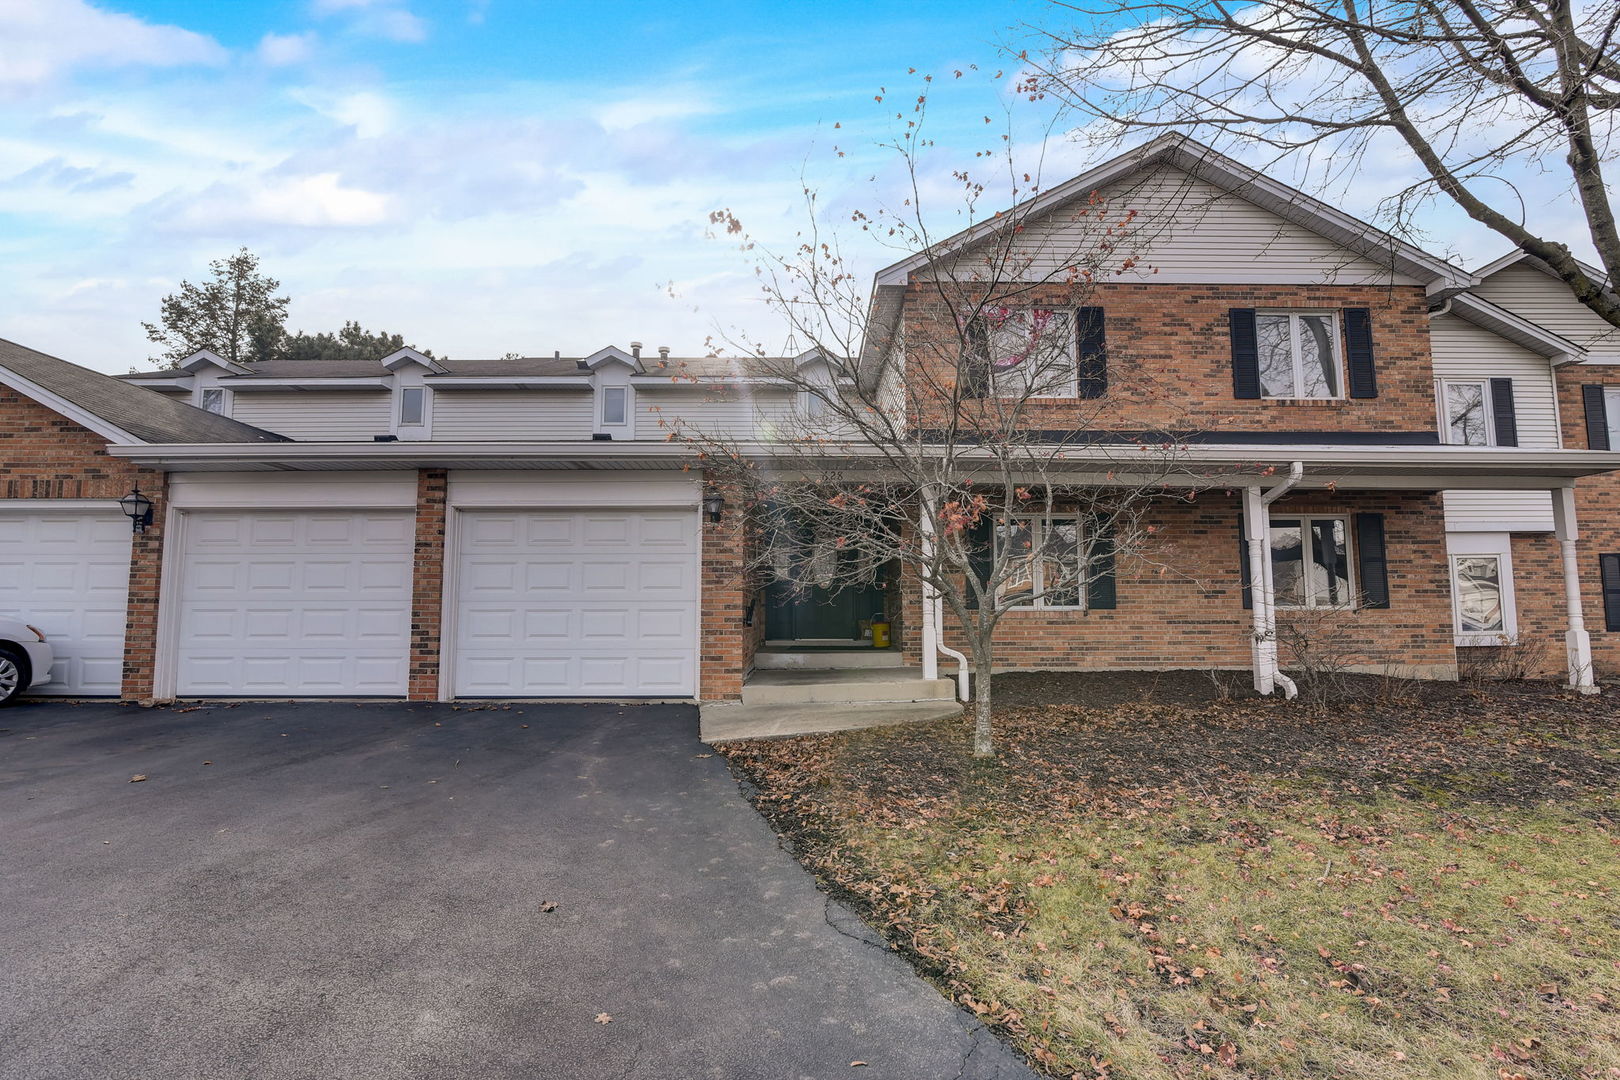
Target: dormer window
[
  {"x": 412, "y": 406},
  {"x": 615, "y": 404},
  {"x": 214, "y": 399}
]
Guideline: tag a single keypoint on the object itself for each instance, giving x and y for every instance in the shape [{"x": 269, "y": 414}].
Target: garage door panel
[
  {"x": 586, "y": 603},
  {"x": 67, "y": 572},
  {"x": 295, "y": 604}
]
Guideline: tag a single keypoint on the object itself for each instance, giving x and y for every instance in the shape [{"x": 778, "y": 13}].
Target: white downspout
[
  {"x": 1262, "y": 592},
  {"x": 933, "y": 643},
  {"x": 1577, "y": 642}
]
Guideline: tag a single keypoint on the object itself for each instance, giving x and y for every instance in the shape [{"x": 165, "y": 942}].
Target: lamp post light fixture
[
  {"x": 138, "y": 508},
  {"x": 714, "y": 505}
]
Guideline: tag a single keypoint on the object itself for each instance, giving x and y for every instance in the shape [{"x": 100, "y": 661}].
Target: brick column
[
  {"x": 427, "y": 585},
  {"x": 145, "y": 574},
  {"x": 727, "y": 646}
]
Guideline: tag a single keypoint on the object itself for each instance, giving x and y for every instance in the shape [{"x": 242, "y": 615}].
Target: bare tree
[
  {"x": 1478, "y": 91},
  {"x": 957, "y": 434}
]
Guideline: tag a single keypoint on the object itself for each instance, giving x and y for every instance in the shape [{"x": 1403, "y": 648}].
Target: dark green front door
[{"x": 799, "y": 615}]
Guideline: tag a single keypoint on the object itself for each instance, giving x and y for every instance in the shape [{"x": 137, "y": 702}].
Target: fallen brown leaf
[
  {"x": 137, "y": 778},
  {"x": 603, "y": 1018}
]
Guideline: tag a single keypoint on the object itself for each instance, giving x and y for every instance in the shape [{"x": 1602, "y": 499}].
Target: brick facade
[
  {"x": 1170, "y": 357},
  {"x": 48, "y": 456},
  {"x": 1180, "y": 604},
  {"x": 727, "y": 644},
  {"x": 427, "y": 585},
  {"x": 1597, "y": 511}
]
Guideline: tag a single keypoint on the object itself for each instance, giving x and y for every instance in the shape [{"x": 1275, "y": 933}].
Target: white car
[{"x": 25, "y": 658}]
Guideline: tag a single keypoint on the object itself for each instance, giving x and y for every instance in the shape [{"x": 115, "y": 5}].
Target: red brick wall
[
  {"x": 1597, "y": 512},
  {"x": 427, "y": 585},
  {"x": 1170, "y": 357},
  {"x": 1180, "y": 601},
  {"x": 726, "y": 650},
  {"x": 44, "y": 455}
]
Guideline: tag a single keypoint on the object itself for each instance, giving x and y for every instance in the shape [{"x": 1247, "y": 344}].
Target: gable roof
[
  {"x": 1516, "y": 256},
  {"x": 1515, "y": 328},
  {"x": 118, "y": 411},
  {"x": 1179, "y": 151}
]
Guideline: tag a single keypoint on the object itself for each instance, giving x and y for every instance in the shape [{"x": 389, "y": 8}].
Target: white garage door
[
  {"x": 67, "y": 572},
  {"x": 294, "y": 603},
  {"x": 577, "y": 604}
]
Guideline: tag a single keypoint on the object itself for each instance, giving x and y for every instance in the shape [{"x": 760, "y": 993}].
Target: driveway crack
[{"x": 865, "y": 935}]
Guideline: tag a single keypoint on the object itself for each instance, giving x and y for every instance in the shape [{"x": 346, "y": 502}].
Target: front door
[{"x": 815, "y": 613}]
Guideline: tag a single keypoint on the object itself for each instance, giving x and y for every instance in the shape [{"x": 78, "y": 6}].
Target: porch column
[
  {"x": 1577, "y": 642},
  {"x": 1263, "y": 641}
]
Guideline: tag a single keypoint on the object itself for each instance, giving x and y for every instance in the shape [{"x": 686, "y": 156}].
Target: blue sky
[{"x": 482, "y": 176}]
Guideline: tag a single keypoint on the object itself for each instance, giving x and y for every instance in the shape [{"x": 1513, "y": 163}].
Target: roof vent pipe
[
  {"x": 635, "y": 349},
  {"x": 663, "y": 352},
  {"x": 556, "y": 354}
]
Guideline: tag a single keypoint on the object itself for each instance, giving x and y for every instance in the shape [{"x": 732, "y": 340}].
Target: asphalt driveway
[{"x": 356, "y": 891}]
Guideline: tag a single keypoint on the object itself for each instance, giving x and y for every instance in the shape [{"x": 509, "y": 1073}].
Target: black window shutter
[
  {"x": 1091, "y": 349},
  {"x": 973, "y": 376},
  {"x": 1245, "y": 354},
  {"x": 1507, "y": 421},
  {"x": 1102, "y": 594},
  {"x": 1597, "y": 418},
  {"x": 1609, "y": 574},
  {"x": 980, "y": 540},
  {"x": 1243, "y": 559},
  {"x": 1371, "y": 564},
  {"x": 1358, "y": 352}
]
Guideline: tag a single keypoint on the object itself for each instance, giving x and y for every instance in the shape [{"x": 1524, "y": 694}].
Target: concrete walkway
[{"x": 363, "y": 891}]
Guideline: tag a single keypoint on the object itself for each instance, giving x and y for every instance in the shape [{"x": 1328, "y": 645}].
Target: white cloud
[
  {"x": 389, "y": 19},
  {"x": 45, "y": 39},
  {"x": 279, "y": 50},
  {"x": 370, "y": 114},
  {"x": 650, "y": 109},
  {"x": 316, "y": 201}
]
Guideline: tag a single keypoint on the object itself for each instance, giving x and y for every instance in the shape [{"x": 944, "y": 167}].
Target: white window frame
[
  {"x": 224, "y": 399},
  {"x": 1611, "y": 414},
  {"x": 1483, "y": 545},
  {"x": 1444, "y": 414},
  {"x": 1298, "y": 356},
  {"x": 1071, "y": 389},
  {"x": 1305, "y": 521},
  {"x": 422, "y": 412},
  {"x": 1037, "y": 523},
  {"x": 602, "y": 393}
]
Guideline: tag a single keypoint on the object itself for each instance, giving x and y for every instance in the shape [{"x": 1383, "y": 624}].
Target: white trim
[
  {"x": 200, "y": 394},
  {"x": 166, "y": 637},
  {"x": 1350, "y": 554},
  {"x": 449, "y": 599},
  {"x": 1443, "y": 414},
  {"x": 489, "y": 490},
  {"x": 59, "y": 404},
  {"x": 626, "y": 411},
  {"x": 204, "y": 357},
  {"x": 293, "y": 491},
  {"x": 1297, "y": 354},
  {"x": 77, "y": 506},
  {"x": 250, "y": 383},
  {"x": 1498, "y": 545},
  {"x": 408, "y": 356},
  {"x": 1082, "y": 584},
  {"x": 1512, "y": 327}
]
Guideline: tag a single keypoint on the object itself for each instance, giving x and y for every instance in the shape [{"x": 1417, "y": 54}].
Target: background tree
[
  {"x": 235, "y": 314},
  {"x": 353, "y": 342},
  {"x": 1479, "y": 92},
  {"x": 937, "y": 448}
]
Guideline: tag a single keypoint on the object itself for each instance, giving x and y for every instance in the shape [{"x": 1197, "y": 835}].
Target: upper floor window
[
  {"x": 615, "y": 406},
  {"x": 1024, "y": 352},
  {"x": 1044, "y": 560},
  {"x": 214, "y": 399},
  {"x": 412, "y": 406},
  {"x": 1310, "y": 562},
  {"x": 1611, "y": 413},
  {"x": 1464, "y": 417},
  {"x": 1299, "y": 354}
]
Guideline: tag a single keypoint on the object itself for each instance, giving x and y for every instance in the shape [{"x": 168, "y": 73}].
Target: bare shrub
[
  {"x": 1321, "y": 649},
  {"x": 1512, "y": 658}
]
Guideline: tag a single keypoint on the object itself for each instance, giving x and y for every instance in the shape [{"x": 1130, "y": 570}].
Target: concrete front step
[
  {"x": 812, "y": 687},
  {"x": 778, "y": 659},
  {"x": 729, "y": 720}
]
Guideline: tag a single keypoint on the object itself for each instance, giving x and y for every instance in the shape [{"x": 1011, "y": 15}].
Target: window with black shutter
[
  {"x": 1609, "y": 573},
  {"x": 1091, "y": 350}
]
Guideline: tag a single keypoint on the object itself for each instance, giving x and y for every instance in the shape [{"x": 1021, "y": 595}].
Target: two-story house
[{"x": 1374, "y": 429}]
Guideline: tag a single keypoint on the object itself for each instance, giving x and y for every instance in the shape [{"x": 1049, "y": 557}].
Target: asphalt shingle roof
[{"x": 145, "y": 414}]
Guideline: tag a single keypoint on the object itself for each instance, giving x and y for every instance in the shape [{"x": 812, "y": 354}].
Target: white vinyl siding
[
  {"x": 718, "y": 411},
  {"x": 1188, "y": 230},
  {"x": 1464, "y": 351},
  {"x": 1547, "y": 302},
  {"x": 511, "y": 415},
  {"x": 313, "y": 416},
  {"x": 67, "y": 572}
]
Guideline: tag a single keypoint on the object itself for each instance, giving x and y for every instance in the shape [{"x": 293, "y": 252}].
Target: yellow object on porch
[{"x": 880, "y": 635}]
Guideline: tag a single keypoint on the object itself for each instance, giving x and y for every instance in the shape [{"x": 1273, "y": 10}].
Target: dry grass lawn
[{"x": 1413, "y": 889}]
